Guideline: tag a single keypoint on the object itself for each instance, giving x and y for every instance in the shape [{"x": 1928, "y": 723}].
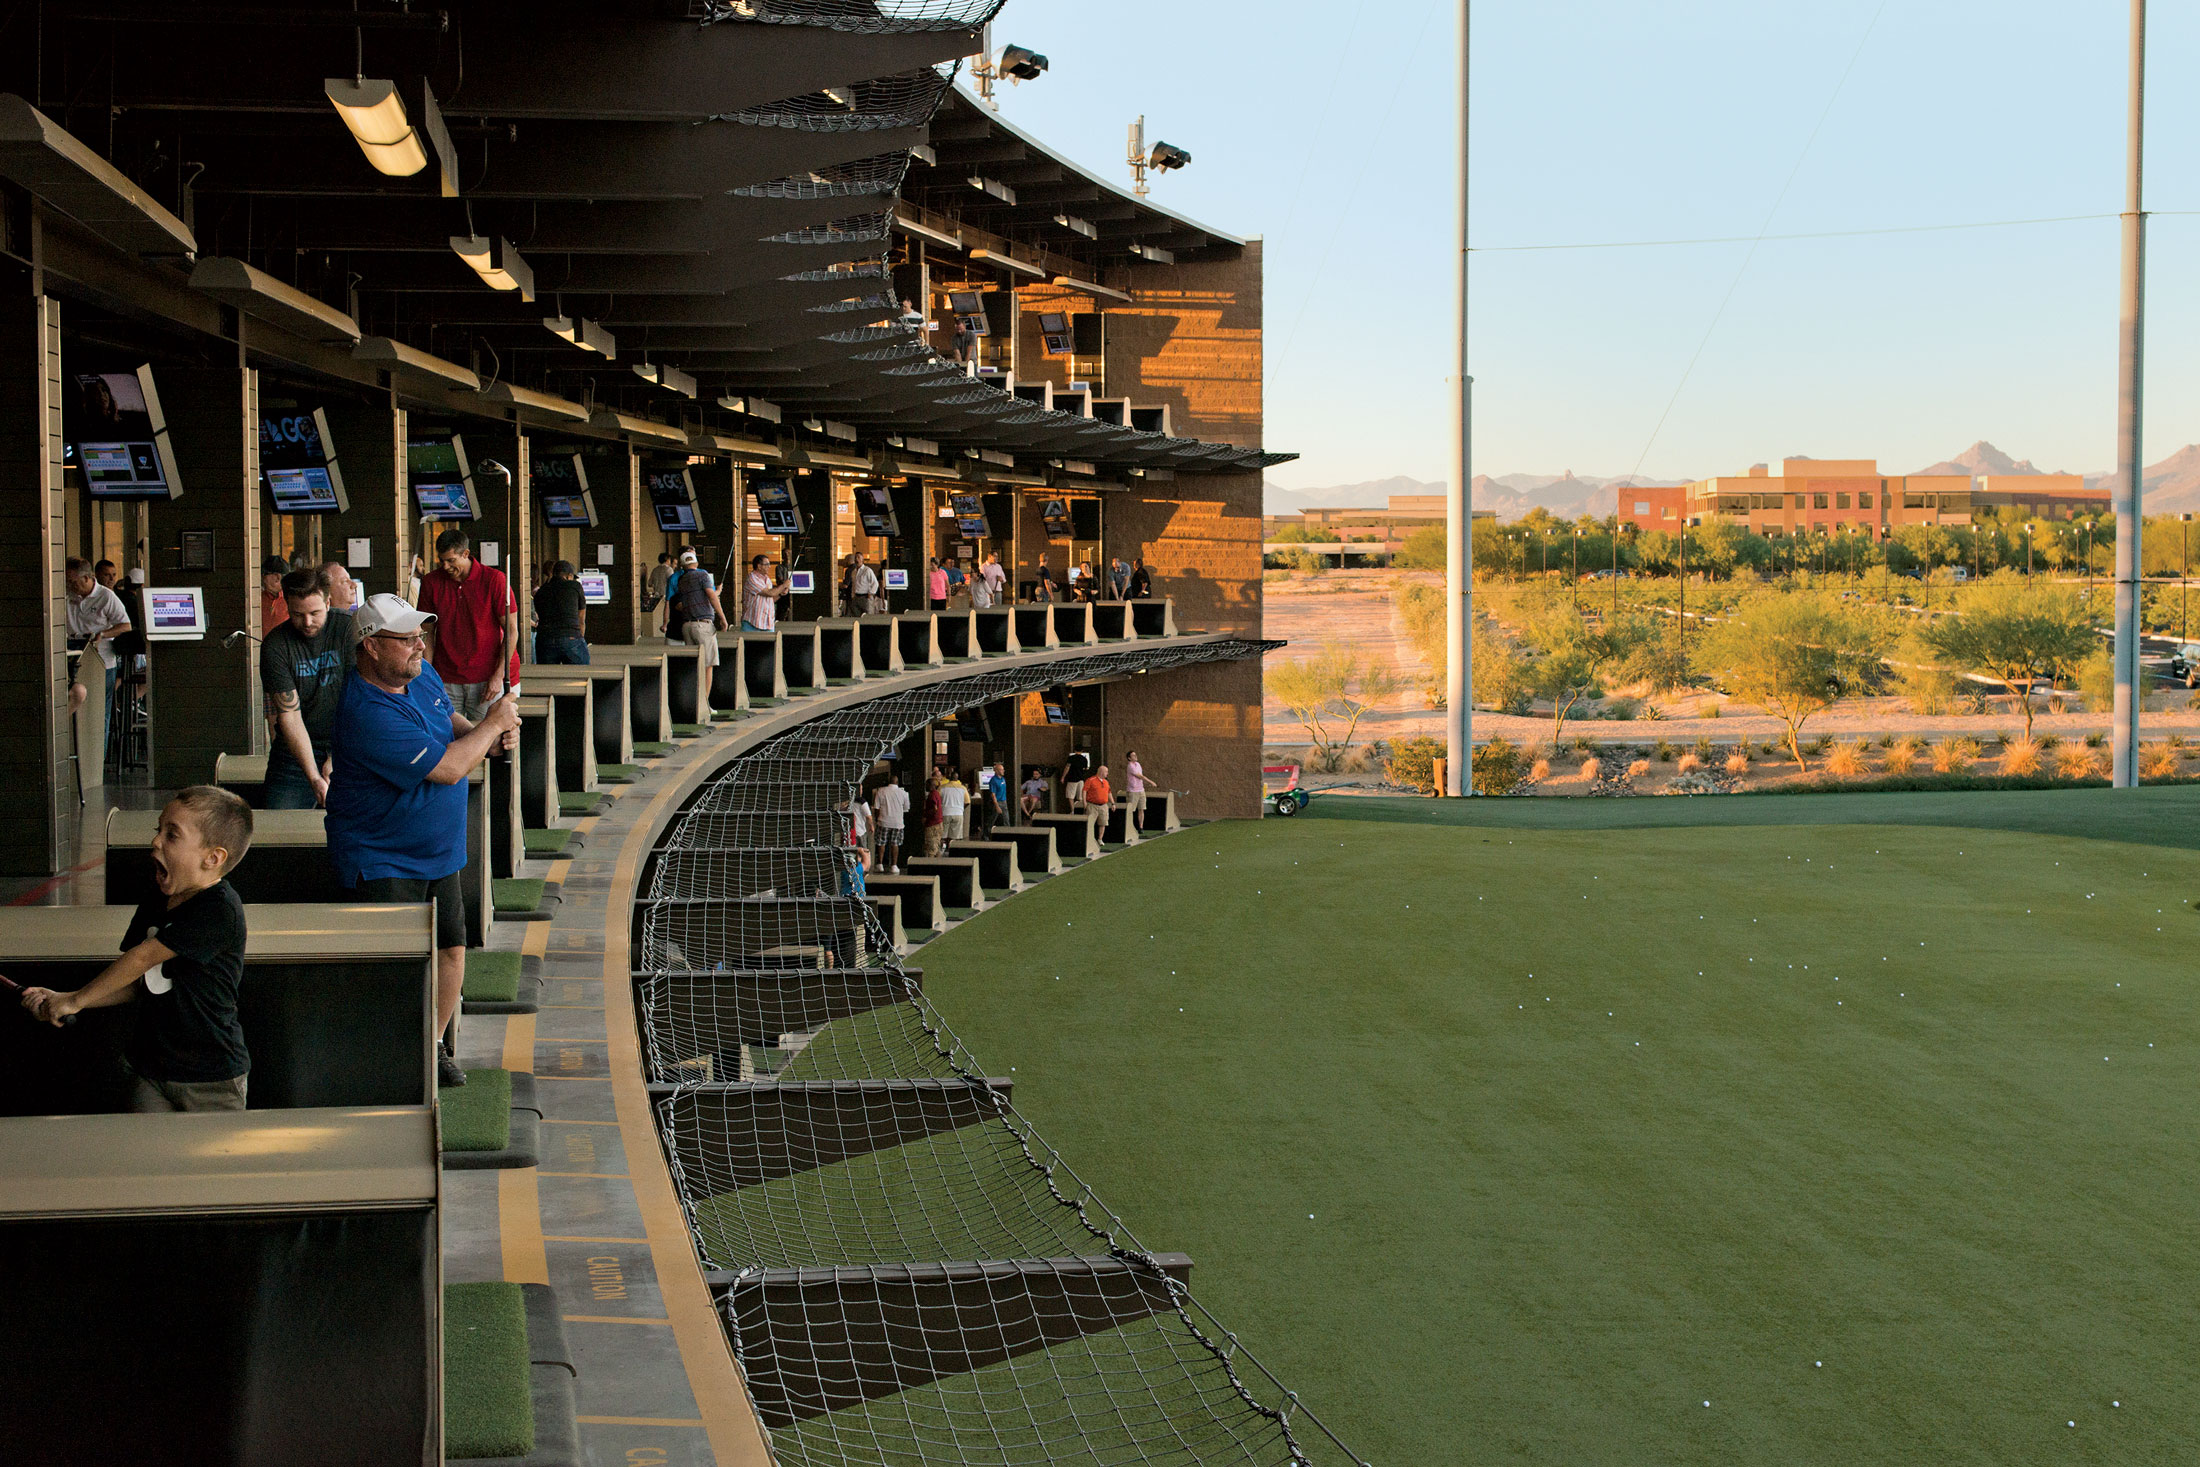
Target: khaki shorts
[
  {"x": 468, "y": 700},
  {"x": 151, "y": 1097},
  {"x": 702, "y": 634}
]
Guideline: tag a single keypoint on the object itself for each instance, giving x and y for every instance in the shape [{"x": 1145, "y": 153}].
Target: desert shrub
[
  {"x": 1886, "y": 741},
  {"x": 2048, "y": 742},
  {"x": 1847, "y": 760},
  {"x": 2021, "y": 759},
  {"x": 1583, "y": 744},
  {"x": 1900, "y": 758},
  {"x": 1954, "y": 756},
  {"x": 1592, "y": 769},
  {"x": 1929, "y": 689},
  {"x": 1412, "y": 763},
  {"x": 1496, "y": 767},
  {"x": 2175, "y": 741},
  {"x": 1622, "y": 708},
  {"x": 1737, "y": 763},
  {"x": 1651, "y": 712},
  {"x": 1640, "y": 769},
  {"x": 2157, "y": 762},
  {"x": 1663, "y": 751},
  {"x": 1325, "y": 761},
  {"x": 1709, "y": 710},
  {"x": 2076, "y": 761},
  {"x": 1704, "y": 747},
  {"x": 1688, "y": 764},
  {"x": 2096, "y": 680},
  {"x": 1817, "y": 746},
  {"x": 1540, "y": 770},
  {"x": 2095, "y": 740}
]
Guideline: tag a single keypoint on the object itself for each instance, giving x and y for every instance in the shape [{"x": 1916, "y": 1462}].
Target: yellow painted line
[
  {"x": 573, "y": 1079},
  {"x": 639, "y": 1420},
  {"x": 519, "y": 1043},
  {"x": 591, "y": 1176},
  {"x": 594, "y": 1008},
  {"x": 563, "y": 1039},
  {"x": 519, "y": 1227},
  {"x": 575, "y": 1238},
  {"x": 612, "y": 1319},
  {"x": 736, "y": 1436}
]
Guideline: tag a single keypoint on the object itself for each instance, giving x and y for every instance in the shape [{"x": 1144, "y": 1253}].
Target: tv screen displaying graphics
[
  {"x": 801, "y": 583},
  {"x": 1056, "y": 514},
  {"x": 561, "y": 488},
  {"x": 775, "y": 506},
  {"x": 970, "y": 517},
  {"x": 875, "y": 508},
  {"x": 118, "y": 437},
  {"x": 672, "y": 496},
  {"x": 595, "y": 588},
  {"x": 175, "y": 614},
  {"x": 897, "y": 580},
  {"x": 298, "y": 463},
  {"x": 442, "y": 480}
]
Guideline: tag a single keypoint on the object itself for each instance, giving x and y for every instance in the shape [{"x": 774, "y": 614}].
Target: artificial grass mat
[
  {"x": 1520, "y": 1136},
  {"x": 653, "y": 751},
  {"x": 492, "y": 977},
  {"x": 619, "y": 773},
  {"x": 579, "y": 802},
  {"x": 546, "y": 842},
  {"x": 477, "y": 1116},
  {"x": 689, "y": 730},
  {"x": 517, "y": 893},
  {"x": 488, "y": 1405}
]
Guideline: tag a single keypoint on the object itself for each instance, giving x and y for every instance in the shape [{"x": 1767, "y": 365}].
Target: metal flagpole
[
  {"x": 2130, "y": 465},
  {"x": 1459, "y": 505}
]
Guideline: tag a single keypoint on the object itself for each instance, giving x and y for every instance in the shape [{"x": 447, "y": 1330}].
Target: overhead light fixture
[
  {"x": 672, "y": 379},
  {"x": 1021, "y": 63},
  {"x": 1161, "y": 158},
  {"x": 585, "y": 334},
  {"x": 1076, "y": 225},
  {"x": 754, "y": 407},
  {"x": 1167, "y": 156},
  {"x": 496, "y": 262},
  {"x": 376, "y": 116}
]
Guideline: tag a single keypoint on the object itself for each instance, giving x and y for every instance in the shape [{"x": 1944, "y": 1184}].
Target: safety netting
[
  {"x": 905, "y": 99},
  {"x": 907, "y": 1272},
  {"x": 870, "y": 17}
]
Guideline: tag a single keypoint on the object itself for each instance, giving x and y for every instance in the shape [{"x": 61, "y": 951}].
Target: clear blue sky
[{"x": 1326, "y": 129}]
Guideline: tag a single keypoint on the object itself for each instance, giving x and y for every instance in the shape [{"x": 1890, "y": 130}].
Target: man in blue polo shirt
[{"x": 397, "y": 799}]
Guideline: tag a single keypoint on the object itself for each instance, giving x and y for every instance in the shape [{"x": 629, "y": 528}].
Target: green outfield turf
[{"x": 1516, "y": 1131}]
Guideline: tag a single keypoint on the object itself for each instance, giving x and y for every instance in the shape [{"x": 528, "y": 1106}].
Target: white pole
[
  {"x": 1459, "y": 505},
  {"x": 2130, "y": 464}
]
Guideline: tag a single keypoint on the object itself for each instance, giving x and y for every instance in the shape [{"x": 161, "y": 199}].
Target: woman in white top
[{"x": 759, "y": 595}]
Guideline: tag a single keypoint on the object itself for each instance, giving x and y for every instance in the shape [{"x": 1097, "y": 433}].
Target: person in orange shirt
[{"x": 1099, "y": 794}]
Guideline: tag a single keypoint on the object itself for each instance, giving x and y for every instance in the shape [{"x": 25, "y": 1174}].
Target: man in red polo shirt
[{"x": 473, "y": 643}]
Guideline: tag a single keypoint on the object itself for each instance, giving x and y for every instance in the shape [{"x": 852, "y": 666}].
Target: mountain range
[{"x": 2172, "y": 486}]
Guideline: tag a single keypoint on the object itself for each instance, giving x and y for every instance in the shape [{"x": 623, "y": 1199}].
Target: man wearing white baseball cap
[{"x": 397, "y": 800}]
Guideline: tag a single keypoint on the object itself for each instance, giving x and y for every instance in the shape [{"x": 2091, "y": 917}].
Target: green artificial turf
[
  {"x": 689, "y": 730},
  {"x": 579, "y": 802},
  {"x": 618, "y": 773},
  {"x": 1516, "y": 1130},
  {"x": 546, "y": 842},
  {"x": 477, "y": 1116},
  {"x": 492, "y": 977},
  {"x": 517, "y": 893},
  {"x": 488, "y": 1409},
  {"x": 653, "y": 751}
]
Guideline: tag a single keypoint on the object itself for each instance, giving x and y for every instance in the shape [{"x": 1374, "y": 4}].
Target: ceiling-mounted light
[
  {"x": 672, "y": 379},
  {"x": 1021, "y": 63},
  {"x": 585, "y": 334},
  {"x": 497, "y": 263},
  {"x": 1167, "y": 156},
  {"x": 376, "y": 116}
]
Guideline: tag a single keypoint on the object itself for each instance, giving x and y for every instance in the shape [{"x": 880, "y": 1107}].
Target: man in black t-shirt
[
  {"x": 303, "y": 664},
  {"x": 186, "y": 945},
  {"x": 560, "y": 611}
]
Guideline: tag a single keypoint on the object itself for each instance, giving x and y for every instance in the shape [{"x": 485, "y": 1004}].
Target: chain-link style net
[
  {"x": 906, "y": 99},
  {"x": 871, "y": 17},
  {"x": 907, "y": 1272},
  {"x": 874, "y": 177},
  {"x": 856, "y": 228}
]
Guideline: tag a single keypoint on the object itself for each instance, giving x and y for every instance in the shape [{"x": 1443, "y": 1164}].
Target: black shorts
[{"x": 449, "y": 898}]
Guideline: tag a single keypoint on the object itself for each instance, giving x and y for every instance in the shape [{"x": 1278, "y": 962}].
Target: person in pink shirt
[
  {"x": 473, "y": 644},
  {"x": 935, "y": 584}
]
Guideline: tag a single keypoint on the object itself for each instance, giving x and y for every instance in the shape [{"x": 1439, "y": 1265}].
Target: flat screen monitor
[
  {"x": 1053, "y": 323},
  {"x": 560, "y": 483},
  {"x": 298, "y": 463},
  {"x": 897, "y": 580},
  {"x": 175, "y": 614},
  {"x": 970, "y": 517},
  {"x": 875, "y": 508},
  {"x": 595, "y": 588},
  {"x": 1056, "y": 712},
  {"x": 801, "y": 583},
  {"x": 118, "y": 437},
  {"x": 775, "y": 506},
  {"x": 966, "y": 302},
  {"x": 672, "y": 497},
  {"x": 442, "y": 480},
  {"x": 1056, "y": 514}
]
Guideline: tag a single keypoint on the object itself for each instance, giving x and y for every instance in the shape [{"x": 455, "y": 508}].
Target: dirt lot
[{"x": 1355, "y": 607}]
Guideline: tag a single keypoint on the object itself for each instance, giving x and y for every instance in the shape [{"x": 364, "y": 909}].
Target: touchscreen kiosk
[
  {"x": 298, "y": 463},
  {"x": 119, "y": 439},
  {"x": 442, "y": 480},
  {"x": 595, "y": 588},
  {"x": 175, "y": 614},
  {"x": 775, "y": 506},
  {"x": 875, "y": 508},
  {"x": 672, "y": 496},
  {"x": 801, "y": 583},
  {"x": 1054, "y": 331},
  {"x": 897, "y": 580}
]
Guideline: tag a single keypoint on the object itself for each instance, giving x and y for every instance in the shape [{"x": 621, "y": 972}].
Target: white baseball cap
[
  {"x": 687, "y": 557},
  {"x": 389, "y": 613}
]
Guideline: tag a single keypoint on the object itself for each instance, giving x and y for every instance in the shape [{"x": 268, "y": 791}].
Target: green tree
[
  {"x": 1329, "y": 693},
  {"x": 1793, "y": 654},
  {"x": 2016, "y": 629},
  {"x": 1424, "y": 549},
  {"x": 1293, "y": 535},
  {"x": 1572, "y": 659}
]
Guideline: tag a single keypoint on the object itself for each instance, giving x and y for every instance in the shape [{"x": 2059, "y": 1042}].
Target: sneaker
[{"x": 447, "y": 1073}]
